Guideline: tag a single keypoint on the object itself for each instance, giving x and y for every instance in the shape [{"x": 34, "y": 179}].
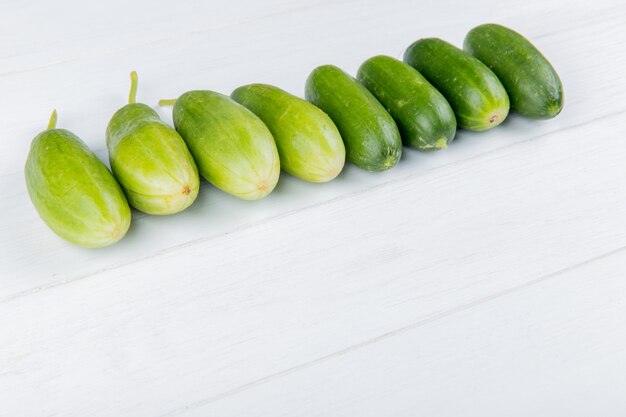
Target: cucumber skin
[
  {"x": 533, "y": 85},
  {"x": 370, "y": 135},
  {"x": 234, "y": 150},
  {"x": 309, "y": 144},
  {"x": 476, "y": 95},
  {"x": 151, "y": 161},
  {"x": 424, "y": 117},
  {"x": 74, "y": 192}
]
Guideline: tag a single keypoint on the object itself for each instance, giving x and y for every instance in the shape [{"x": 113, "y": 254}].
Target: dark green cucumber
[
  {"x": 150, "y": 159},
  {"x": 533, "y": 85},
  {"x": 234, "y": 150},
  {"x": 369, "y": 133},
  {"x": 74, "y": 193},
  {"x": 424, "y": 117},
  {"x": 309, "y": 144},
  {"x": 477, "y": 97}
]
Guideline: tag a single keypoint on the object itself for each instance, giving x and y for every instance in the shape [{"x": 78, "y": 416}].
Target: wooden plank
[
  {"x": 33, "y": 259},
  {"x": 283, "y": 49},
  {"x": 483, "y": 280},
  {"x": 205, "y": 319},
  {"x": 556, "y": 347},
  {"x": 75, "y": 30}
]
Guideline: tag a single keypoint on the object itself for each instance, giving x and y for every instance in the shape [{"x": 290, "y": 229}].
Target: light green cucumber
[
  {"x": 234, "y": 150},
  {"x": 308, "y": 141},
  {"x": 150, "y": 159},
  {"x": 73, "y": 191}
]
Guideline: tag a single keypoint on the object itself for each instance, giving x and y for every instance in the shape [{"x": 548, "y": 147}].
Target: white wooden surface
[{"x": 488, "y": 279}]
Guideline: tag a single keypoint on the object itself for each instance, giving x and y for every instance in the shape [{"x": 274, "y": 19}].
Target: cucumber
[
  {"x": 234, "y": 150},
  {"x": 423, "y": 115},
  {"x": 74, "y": 193},
  {"x": 150, "y": 159},
  {"x": 370, "y": 135},
  {"x": 309, "y": 145},
  {"x": 533, "y": 85},
  {"x": 477, "y": 97}
]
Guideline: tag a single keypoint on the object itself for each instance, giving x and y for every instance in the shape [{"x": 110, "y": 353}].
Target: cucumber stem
[
  {"x": 167, "y": 102},
  {"x": 133, "y": 87},
  {"x": 53, "y": 120}
]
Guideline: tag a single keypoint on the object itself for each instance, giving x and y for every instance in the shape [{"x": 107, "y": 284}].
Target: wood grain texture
[
  {"x": 278, "y": 294},
  {"x": 506, "y": 354},
  {"x": 53, "y": 261},
  {"x": 486, "y": 279}
]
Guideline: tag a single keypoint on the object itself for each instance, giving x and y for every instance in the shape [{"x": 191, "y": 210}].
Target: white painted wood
[
  {"x": 271, "y": 297},
  {"x": 504, "y": 355},
  {"x": 282, "y": 49},
  {"x": 349, "y": 298},
  {"x": 51, "y": 260},
  {"x": 74, "y": 30}
]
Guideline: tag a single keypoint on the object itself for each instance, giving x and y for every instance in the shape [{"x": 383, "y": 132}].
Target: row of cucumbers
[{"x": 240, "y": 143}]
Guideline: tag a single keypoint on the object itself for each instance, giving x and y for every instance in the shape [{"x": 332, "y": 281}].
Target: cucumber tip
[
  {"x": 389, "y": 162},
  {"x": 262, "y": 186},
  {"x": 554, "y": 109},
  {"x": 441, "y": 143}
]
